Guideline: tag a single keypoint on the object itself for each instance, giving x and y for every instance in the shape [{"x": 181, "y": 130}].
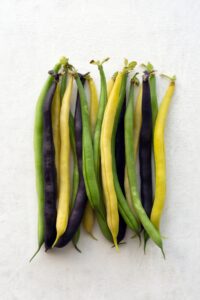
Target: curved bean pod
[
  {"x": 79, "y": 202},
  {"x": 145, "y": 144},
  {"x": 49, "y": 169},
  {"x": 90, "y": 178},
  {"x": 137, "y": 121},
  {"x": 124, "y": 209},
  {"x": 64, "y": 191},
  {"x": 130, "y": 162},
  {"x": 37, "y": 141},
  {"x": 159, "y": 152},
  {"x": 89, "y": 217},
  {"x": 120, "y": 163}
]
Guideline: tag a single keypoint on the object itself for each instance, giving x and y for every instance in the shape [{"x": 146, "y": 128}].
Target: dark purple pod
[
  {"x": 50, "y": 189},
  {"x": 145, "y": 148},
  {"x": 81, "y": 197}
]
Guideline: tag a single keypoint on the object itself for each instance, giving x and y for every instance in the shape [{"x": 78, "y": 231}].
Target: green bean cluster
[{"x": 106, "y": 135}]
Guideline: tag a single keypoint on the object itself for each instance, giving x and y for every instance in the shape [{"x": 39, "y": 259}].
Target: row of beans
[{"x": 105, "y": 136}]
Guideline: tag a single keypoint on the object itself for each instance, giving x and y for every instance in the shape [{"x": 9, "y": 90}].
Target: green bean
[
  {"x": 154, "y": 109},
  {"x": 148, "y": 226},
  {"x": 101, "y": 109},
  {"x": 122, "y": 202},
  {"x": 90, "y": 178}
]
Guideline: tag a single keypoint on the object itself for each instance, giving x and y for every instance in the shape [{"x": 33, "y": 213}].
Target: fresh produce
[
  {"x": 64, "y": 186},
  {"x": 105, "y": 136},
  {"x": 159, "y": 150}
]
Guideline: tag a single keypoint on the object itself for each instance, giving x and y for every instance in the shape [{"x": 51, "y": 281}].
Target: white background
[{"x": 33, "y": 36}]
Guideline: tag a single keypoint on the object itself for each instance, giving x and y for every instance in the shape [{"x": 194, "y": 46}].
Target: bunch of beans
[{"x": 105, "y": 137}]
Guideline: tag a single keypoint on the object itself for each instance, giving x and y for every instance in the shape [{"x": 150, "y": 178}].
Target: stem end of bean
[{"x": 171, "y": 78}]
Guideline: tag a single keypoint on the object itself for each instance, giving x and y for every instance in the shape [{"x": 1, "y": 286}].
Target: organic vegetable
[
  {"x": 81, "y": 198},
  {"x": 49, "y": 168},
  {"x": 154, "y": 109},
  {"x": 137, "y": 121},
  {"x": 106, "y": 160},
  {"x": 130, "y": 162},
  {"x": 145, "y": 148},
  {"x": 88, "y": 217},
  {"x": 76, "y": 236},
  {"x": 120, "y": 164},
  {"x": 90, "y": 179},
  {"x": 159, "y": 152},
  {"x": 122, "y": 203},
  {"x": 119, "y": 152},
  {"x": 102, "y": 105},
  {"x": 75, "y": 182},
  {"x": 38, "y": 139},
  {"x": 106, "y": 157},
  {"x": 64, "y": 191}
]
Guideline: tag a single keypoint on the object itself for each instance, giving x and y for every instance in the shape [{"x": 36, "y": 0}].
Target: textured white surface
[{"x": 33, "y": 35}]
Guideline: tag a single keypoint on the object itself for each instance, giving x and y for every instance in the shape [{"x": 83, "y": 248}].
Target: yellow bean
[
  {"x": 106, "y": 159},
  {"x": 110, "y": 84},
  {"x": 64, "y": 190},
  {"x": 159, "y": 153}
]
